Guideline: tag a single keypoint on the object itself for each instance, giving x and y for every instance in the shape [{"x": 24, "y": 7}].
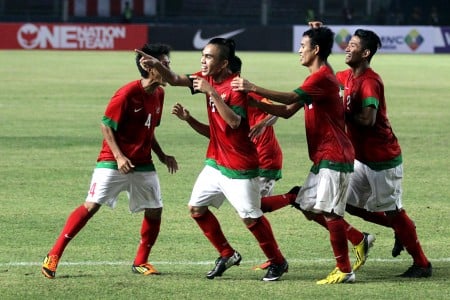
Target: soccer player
[
  {"x": 231, "y": 167},
  {"x": 328, "y": 145},
  {"x": 262, "y": 134},
  {"x": 375, "y": 189},
  {"x": 125, "y": 163}
]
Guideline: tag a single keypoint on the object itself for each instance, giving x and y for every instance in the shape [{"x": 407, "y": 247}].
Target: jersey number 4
[{"x": 148, "y": 123}]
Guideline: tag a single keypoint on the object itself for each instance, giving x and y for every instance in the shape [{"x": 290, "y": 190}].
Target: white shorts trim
[
  {"x": 324, "y": 192},
  {"x": 143, "y": 189},
  {"x": 376, "y": 190},
  {"x": 212, "y": 188}
]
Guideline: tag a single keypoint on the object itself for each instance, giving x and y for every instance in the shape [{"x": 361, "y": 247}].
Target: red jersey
[
  {"x": 270, "y": 156},
  {"x": 230, "y": 150},
  {"x": 328, "y": 144},
  {"x": 376, "y": 146},
  {"x": 133, "y": 114}
]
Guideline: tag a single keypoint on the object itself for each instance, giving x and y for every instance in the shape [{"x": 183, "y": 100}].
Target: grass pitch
[{"x": 51, "y": 105}]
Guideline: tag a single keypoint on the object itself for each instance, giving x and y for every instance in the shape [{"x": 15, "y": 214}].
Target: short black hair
[
  {"x": 155, "y": 50},
  {"x": 235, "y": 64},
  {"x": 369, "y": 40},
  {"x": 227, "y": 47},
  {"x": 322, "y": 37}
]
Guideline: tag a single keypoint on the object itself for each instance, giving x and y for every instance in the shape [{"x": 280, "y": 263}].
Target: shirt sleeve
[
  {"x": 310, "y": 89},
  {"x": 239, "y": 103},
  {"x": 370, "y": 93},
  {"x": 114, "y": 110}
]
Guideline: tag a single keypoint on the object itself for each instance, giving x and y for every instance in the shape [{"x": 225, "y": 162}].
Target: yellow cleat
[
  {"x": 336, "y": 276},
  {"x": 49, "y": 266},
  {"x": 145, "y": 269},
  {"x": 361, "y": 250}
]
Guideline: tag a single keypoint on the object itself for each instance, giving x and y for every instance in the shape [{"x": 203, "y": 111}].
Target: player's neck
[
  {"x": 149, "y": 85},
  {"x": 316, "y": 65},
  {"x": 221, "y": 76},
  {"x": 360, "y": 68}
]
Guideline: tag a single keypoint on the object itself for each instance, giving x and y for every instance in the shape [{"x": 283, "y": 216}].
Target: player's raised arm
[
  {"x": 243, "y": 85},
  {"x": 148, "y": 62}
]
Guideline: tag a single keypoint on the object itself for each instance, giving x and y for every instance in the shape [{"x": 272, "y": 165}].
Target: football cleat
[
  {"x": 418, "y": 272},
  {"x": 145, "y": 269},
  {"x": 275, "y": 271},
  {"x": 49, "y": 266},
  {"x": 361, "y": 250},
  {"x": 336, "y": 276},
  {"x": 224, "y": 263}
]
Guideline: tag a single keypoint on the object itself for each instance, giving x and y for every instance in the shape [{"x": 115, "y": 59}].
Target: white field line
[{"x": 186, "y": 263}]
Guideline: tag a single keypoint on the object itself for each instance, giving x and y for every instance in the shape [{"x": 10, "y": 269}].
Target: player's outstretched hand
[
  {"x": 147, "y": 61},
  {"x": 181, "y": 112}
]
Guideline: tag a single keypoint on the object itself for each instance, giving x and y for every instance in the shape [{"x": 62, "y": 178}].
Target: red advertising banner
[{"x": 72, "y": 36}]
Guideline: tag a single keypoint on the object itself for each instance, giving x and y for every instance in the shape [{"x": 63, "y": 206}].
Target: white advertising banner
[{"x": 394, "y": 39}]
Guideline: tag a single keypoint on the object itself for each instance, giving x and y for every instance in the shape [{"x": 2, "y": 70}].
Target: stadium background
[
  {"x": 236, "y": 12},
  {"x": 256, "y": 25}
]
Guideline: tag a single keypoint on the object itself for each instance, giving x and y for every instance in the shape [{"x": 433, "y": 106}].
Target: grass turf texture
[{"x": 51, "y": 105}]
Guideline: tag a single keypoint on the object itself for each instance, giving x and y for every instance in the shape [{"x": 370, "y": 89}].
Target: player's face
[
  {"x": 307, "y": 53},
  {"x": 211, "y": 62},
  {"x": 354, "y": 52}
]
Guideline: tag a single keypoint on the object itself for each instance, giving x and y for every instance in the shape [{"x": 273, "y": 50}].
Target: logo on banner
[
  {"x": 31, "y": 36},
  {"x": 414, "y": 39},
  {"x": 199, "y": 42},
  {"x": 342, "y": 38},
  {"x": 27, "y": 36},
  {"x": 446, "y": 35}
]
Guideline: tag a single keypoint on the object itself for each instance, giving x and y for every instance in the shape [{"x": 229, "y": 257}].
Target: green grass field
[{"x": 51, "y": 105}]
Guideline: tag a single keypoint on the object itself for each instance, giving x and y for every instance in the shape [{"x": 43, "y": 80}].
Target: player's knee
[
  {"x": 153, "y": 213},
  {"x": 249, "y": 222},
  {"x": 92, "y": 207},
  {"x": 197, "y": 211}
]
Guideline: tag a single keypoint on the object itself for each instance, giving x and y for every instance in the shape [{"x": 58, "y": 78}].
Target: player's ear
[
  {"x": 366, "y": 53},
  {"x": 316, "y": 49},
  {"x": 225, "y": 63}
]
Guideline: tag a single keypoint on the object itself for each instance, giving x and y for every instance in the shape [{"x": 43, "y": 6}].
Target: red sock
[
  {"x": 149, "y": 234},
  {"x": 406, "y": 231},
  {"x": 353, "y": 235},
  {"x": 373, "y": 217},
  {"x": 75, "y": 222},
  {"x": 262, "y": 231},
  {"x": 338, "y": 239},
  {"x": 210, "y": 226},
  {"x": 272, "y": 203}
]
